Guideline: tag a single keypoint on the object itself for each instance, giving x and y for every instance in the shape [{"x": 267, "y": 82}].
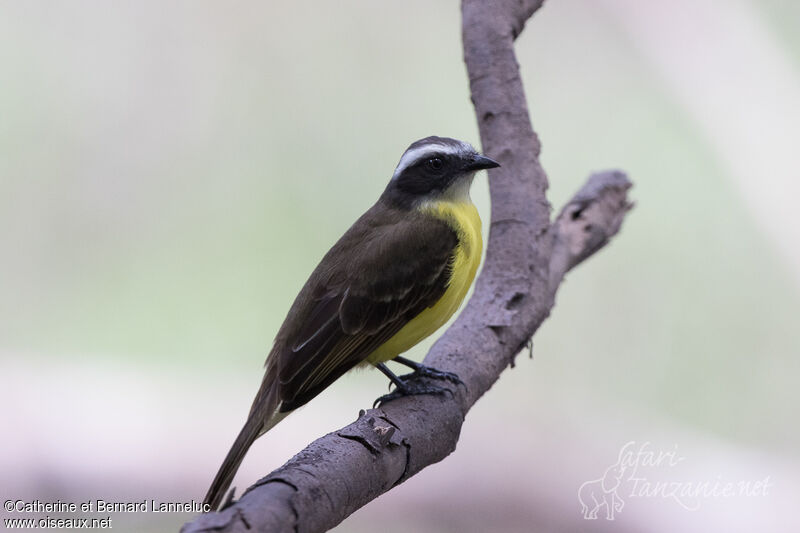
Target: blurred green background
[{"x": 170, "y": 173}]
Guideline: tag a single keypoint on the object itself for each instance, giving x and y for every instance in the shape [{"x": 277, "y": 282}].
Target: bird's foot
[
  {"x": 422, "y": 371},
  {"x": 408, "y": 384},
  {"x": 411, "y": 389}
]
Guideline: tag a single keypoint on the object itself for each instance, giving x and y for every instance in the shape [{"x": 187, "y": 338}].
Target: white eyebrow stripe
[{"x": 414, "y": 155}]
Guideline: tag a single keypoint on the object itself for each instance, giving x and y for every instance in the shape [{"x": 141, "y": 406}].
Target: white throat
[{"x": 457, "y": 192}]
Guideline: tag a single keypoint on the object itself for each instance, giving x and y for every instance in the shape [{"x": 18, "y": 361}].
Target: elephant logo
[{"x": 598, "y": 493}]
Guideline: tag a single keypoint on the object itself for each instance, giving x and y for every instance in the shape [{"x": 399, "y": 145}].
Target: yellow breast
[{"x": 464, "y": 219}]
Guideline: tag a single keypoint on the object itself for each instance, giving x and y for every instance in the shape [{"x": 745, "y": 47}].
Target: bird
[{"x": 394, "y": 278}]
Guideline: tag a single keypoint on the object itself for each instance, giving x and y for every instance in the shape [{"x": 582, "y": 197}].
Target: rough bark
[{"x": 526, "y": 260}]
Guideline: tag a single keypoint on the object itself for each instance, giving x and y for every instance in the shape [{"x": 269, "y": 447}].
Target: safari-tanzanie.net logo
[{"x": 643, "y": 471}]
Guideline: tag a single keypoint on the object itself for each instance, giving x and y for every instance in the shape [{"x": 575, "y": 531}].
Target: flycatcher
[{"x": 391, "y": 280}]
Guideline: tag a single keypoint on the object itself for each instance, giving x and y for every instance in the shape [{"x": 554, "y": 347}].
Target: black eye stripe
[
  {"x": 435, "y": 163},
  {"x": 425, "y": 161}
]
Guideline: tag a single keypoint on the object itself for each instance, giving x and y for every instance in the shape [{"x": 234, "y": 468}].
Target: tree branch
[{"x": 526, "y": 260}]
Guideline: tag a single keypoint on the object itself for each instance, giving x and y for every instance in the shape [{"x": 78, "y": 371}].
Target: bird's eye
[{"x": 435, "y": 164}]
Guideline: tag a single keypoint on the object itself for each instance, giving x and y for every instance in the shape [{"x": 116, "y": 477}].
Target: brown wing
[
  {"x": 390, "y": 265},
  {"x": 384, "y": 271}
]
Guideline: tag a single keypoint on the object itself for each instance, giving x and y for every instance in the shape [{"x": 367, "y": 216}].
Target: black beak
[{"x": 480, "y": 162}]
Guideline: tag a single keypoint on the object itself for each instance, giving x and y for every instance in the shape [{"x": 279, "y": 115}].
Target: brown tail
[
  {"x": 230, "y": 465},
  {"x": 262, "y": 417}
]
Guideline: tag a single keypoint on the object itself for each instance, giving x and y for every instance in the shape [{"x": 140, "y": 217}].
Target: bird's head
[{"x": 436, "y": 168}]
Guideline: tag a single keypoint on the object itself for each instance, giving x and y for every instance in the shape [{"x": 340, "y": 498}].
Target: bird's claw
[
  {"x": 428, "y": 372},
  {"x": 410, "y": 390}
]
